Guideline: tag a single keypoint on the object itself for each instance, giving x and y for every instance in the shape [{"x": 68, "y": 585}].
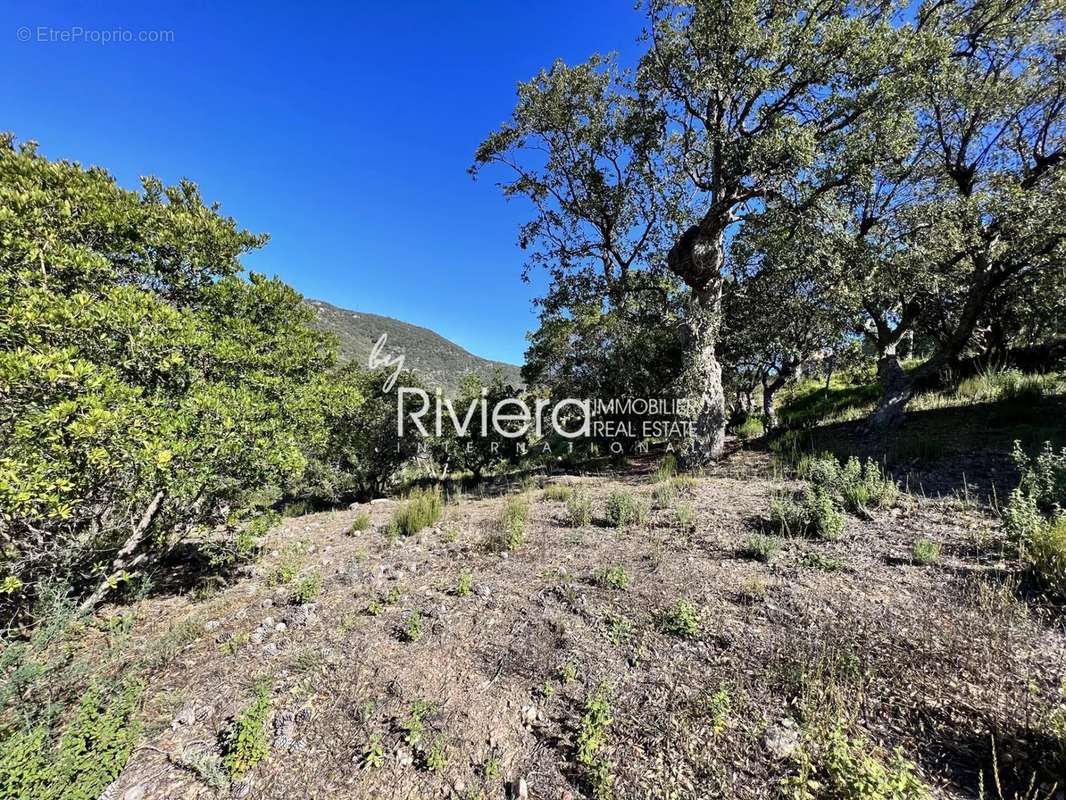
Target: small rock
[
  {"x": 781, "y": 739},
  {"x": 280, "y": 627},
  {"x": 459, "y": 786},
  {"x": 270, "y": 650},
  {"x": 257, "y": 636},
  {"x": 268, "y": 622},
  {"x": 404, "y": 757},
  {"x": 211, "y": 625},
  {"x": 267, "y": 603},
  {"x": 187, "y": 716},
  {"x": 481, "y": 590},
  {"x": 134, "y": 792},
  {"x": 241, "y": 790},
  {"x": 523, "y": 790}
]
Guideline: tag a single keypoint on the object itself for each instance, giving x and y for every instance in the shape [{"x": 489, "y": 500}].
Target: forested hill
[{"x": 433, "y": 358}]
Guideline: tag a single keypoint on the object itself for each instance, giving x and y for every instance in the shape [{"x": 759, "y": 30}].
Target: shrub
[
  {"x": 465, "y": 585},
  {"x": 761, "y": 548},
  {"x": 579, "y": 508},
  {"x": 663, "y": 494},
  {"x": 1043, "y": 477},
  {"x": 559, "y": 492},
  {"x": 624, "y": 509},
  {"x": 860, "y": 485},
  {"x": 422, "y": 508},
  {"x": 787, "y": 517},
  {"x": 925, "y": 551},
  {"x": 412, "y": 629},
  {"x": 361, "y": 523},
  {"x": 1044, "y": 552},
  {"x": 684, "y": 484},
  {"x": 681, "y": 619},
  {"x": 511, "y": 526},
  {"x": 751, "y": 428},
  {"x": 84, "y": 760},
  {"x": 245, "y": 743},
  {"x": 591, "y": 740},
  {"x": 824, "y": 520},
  {"x": 613, "y": 578},
  {"x": 856, "y": 774},
  {"x": 306, "y": 589}
]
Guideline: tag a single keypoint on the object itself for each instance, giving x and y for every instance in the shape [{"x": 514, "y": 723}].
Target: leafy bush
[
  {"x": 1044, "y": 551},
  {"x": 306, "y": 589},
  {"x": 464, "y": 585},
  {"x": 854, "y": 773},
  {"x": 666, "y": 468},
  {"x": 245, "y": 744},
  {"x": 817, "y": 515},
  {"x": 1043, "y": 477},
  {"x": 925, "y": 551},
  {"x": 861, "y": 486},
  {"x": 591, "y": 740},
  {"x": 624, "y": 509},
  {"x": 422, "y": 508},
  {"x": 761, "y": 548},
  {"x": 613, "y": 578},
  {"x": 84, "y": 760},
  {"x": 681, "y": 619},
  {"x": 579, "y": 509}
]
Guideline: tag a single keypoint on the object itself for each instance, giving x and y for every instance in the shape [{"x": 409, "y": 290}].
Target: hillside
[{"x": 436, "y": 360}]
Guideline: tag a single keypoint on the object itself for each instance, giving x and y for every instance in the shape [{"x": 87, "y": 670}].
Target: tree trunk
[
  {"x": 769, "y": 416},
  {"x": 122, "y": 560},
  {"x": 897, "y": 388},
  {"x": 697, "y": 259}
]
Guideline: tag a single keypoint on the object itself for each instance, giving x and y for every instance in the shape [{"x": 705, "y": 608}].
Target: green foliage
[
  {"x": 817, "y": 514},
  {"x": 1043, "y": 477},
  {"x": 135, "y": 363},
  {"x": 306, "y": 589},
  {"x": 465, "y": 585},
  {"x": 579, "y": 509},
  {"x": 510, "y": 531},
  {"x": 414, "y": 726},
  {"x": 412, "y": 629},
  {"x": 664, "y": 494},
  {"x": 288, "y": 566},
  {"x": 681, "y": 619},
  {"x": 613, "y": 578},
  {"x": 685, "y": 516},
  {"x": 1034, "y": 515},
  {"x": 666, "y": 468},
  {"x": 925, "y": 551},
  {"x": 625, "y": 509},
  {"x": 436, "y": 758},
  {"x": 761, "y": 548},
  {"x": 854, "y": 773},
  {"x": 591, "y": 741},
  {"x": 86, "y": 757},
  {"x": 374, "y": 758},
  {"x": 751, "y": 428},
  {"x": 359, "y": 524},
  {"x": 559, "y": 492},
  {"x": 860, "y": 485},
  {"x": 1044, "y": 552},
  {"x": 245, "y": 743},
  {"x": 422, "y": 508}
]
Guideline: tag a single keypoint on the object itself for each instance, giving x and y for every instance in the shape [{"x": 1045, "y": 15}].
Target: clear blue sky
[{"x": 343, "y": 130}]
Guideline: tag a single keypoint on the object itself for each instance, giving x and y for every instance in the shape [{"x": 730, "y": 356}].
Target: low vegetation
[{"x": 421, "y": 508}]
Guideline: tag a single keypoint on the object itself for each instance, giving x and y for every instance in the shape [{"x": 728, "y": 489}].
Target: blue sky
[{"x": 343, "y": 130}]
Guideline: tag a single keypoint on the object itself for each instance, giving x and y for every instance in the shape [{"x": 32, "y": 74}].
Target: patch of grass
[
  {"x": 684, "y": 484},
  {"x": 361, "y": 523},
  {"x": 761, "y": 548},
  {"x": 245, "y": 743},
  {"x": 592, "y": 740},
  {"x": 422, "y": 508},
  {"x": 625, "y": 508},
  {"x": 1044, "y": 552},
  {"x": 613, "y": 578},
  {"x": 619, "y": 629},
  {"x": 751, "y": 428},
  {"x": 820, "y": 562},
  {"x": 465, "y": 584},
  {"x": 306, "y": 589},
  {"x": 664, "y": 494},
  {"x": 568, "y": 673},
  {"x": 925, "y": 551},
  {"x": 685, "y": 516},
  {"x": 233, "y": 644},
  {"x": 558, "y": 492},
  {"x": 753, "y": 590},
  {"x": 379, "y": 602},
  {"x": 717, "y": 707},
  {"x": 666, "y": 468},
  {"x": 579, "y": 509},
  {"x": 681, "y": 619},
  {"x": 510, "y": 532}
]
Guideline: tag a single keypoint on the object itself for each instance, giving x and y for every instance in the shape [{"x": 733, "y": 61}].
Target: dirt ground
[{"x": 939, "y": 660}]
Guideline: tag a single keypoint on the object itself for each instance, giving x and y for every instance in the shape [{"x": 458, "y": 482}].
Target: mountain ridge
[{"x": 438, "y": 361}]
